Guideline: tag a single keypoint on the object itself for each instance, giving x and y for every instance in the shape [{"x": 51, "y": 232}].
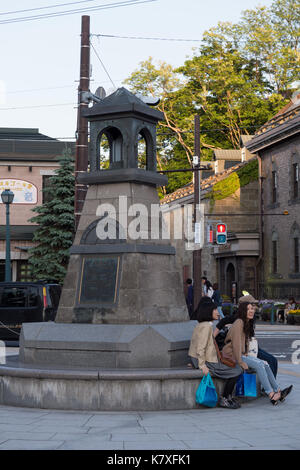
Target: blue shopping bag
[
  {"x": 246, "y": 385},
  {"x": 206, "y": 393}
]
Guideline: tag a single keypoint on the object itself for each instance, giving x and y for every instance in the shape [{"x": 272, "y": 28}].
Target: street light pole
[{"x": 7, "y": 197}]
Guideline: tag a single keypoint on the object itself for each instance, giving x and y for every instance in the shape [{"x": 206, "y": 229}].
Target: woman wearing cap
[
  {"x": 203, "y": 352},
  {"x": 237, "y": 346}
]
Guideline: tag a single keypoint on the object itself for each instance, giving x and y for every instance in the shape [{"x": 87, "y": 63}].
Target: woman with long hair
[
  {"x": 203, "y": 353},
  {"x": 207, "y": 287},
  {"x": 237, "y": 346}
]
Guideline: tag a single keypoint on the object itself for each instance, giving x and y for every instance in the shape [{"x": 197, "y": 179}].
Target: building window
[
  {"x": 2, "y": 271},
  {"x": 23, "y": 273},
  {"x": 274, "y": 187},
  {"x": 46, "y": 187},
  {"x": 295, "y": 180},
  {"x": 296, "y": 255},
  {"x": 274, "y": 257}
]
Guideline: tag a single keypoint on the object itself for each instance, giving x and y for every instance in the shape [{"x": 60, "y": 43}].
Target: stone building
[
  {"x": 27, "y": 161},
  {"x": 231, "y": 197},
  {"x": 277, "y": 145}
]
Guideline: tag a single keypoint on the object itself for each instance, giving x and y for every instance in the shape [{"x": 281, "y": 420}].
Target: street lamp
[{"x": 7, "y": 197}]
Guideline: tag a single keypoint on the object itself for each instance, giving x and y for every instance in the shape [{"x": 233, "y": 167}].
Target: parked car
[{"x": 26, "y": 302}]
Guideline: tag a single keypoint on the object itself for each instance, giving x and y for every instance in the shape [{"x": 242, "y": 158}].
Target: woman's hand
[
  {"x": 244, "y": 366},
  {"x": 205, "y": 370}
]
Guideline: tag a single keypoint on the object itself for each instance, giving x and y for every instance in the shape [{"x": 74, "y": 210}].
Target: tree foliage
[
  {"x": 55, "y": 219},
  {"x": 237, "y": 80}
]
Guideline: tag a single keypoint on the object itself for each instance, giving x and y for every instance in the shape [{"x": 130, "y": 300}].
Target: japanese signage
[{"x": 25, "y": 192}]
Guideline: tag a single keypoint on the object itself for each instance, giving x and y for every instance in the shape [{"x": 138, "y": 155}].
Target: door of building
[{"x": 230, "y": 278}]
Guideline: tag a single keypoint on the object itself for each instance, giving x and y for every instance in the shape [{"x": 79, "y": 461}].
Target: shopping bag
[
  {"x": 246, "y": 385},
  {"x": 249, "y": 385},
  {"x": 206, "y": 393}
]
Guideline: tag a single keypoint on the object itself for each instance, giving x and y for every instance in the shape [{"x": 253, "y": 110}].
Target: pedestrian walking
[
  {"x": 207, "y": 287},
  {"x": 217, "y": 299},
  {"x": 190, "y": 297},
  {"x": 237, "y": 347},
  {"x": 203, "y": 353}
]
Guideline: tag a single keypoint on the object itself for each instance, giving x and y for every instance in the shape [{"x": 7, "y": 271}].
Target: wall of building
[
  {"x": 31, "y": 173},
  {"x": 280, "y": 158},
  {"x": 244, "y": 200}
]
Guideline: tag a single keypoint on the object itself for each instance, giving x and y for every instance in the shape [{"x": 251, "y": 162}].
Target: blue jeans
[
  {"x": 220, "y": 312},
  {"x": 264, "y": 373},
  {"x": 265, "y": 356}
]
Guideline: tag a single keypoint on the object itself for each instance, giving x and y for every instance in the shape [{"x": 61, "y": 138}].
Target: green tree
[
  {"x": 55, "y": 219},
  {"x": 237, "y": 80}
]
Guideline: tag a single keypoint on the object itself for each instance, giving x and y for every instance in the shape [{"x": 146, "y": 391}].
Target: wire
[
  {"x": 44, "y": 8},
  {"x": 145, "y": 39},
  {"x": 72, "y": 12},
  {"x": 39, "y": 106},
  {"x": 39, "y": 89},
  {"x": 103, "y": 65}
]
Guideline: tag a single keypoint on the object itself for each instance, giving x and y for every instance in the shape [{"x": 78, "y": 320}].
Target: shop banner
[{"x": 25, "y": 192}]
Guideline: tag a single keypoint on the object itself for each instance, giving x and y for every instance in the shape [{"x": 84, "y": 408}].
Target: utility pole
[
  {"x": 197, "y": 267},
  {"x": 81, "y": 152}
]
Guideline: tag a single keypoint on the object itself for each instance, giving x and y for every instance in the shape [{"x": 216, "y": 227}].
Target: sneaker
[{"x": 226, "y": 403}]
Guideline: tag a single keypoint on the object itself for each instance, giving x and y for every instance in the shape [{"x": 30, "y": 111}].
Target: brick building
[
  {"x": 231, "y": 196},
  {"x": 27, "y": 161},
  {"x": 277, "y": 145}
]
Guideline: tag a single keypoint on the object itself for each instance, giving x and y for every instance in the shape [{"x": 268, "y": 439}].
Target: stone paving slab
[{"x": 257, "y": 425}]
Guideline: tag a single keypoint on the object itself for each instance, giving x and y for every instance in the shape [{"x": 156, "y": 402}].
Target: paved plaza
[{"x": 257, "y": 425}]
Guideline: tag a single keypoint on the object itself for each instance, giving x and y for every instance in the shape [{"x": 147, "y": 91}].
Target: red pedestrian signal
[{"x": 221, "y": 234}]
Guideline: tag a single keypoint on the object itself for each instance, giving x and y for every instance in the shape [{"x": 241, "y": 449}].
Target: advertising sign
[{"x": 25, "y": 192}]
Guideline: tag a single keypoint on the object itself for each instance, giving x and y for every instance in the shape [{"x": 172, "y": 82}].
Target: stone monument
[
  {"x": 122, "y": 304},
  {"x": 121, "y": 337}
]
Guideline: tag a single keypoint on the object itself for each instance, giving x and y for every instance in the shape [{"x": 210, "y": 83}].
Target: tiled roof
[
  {"x": 228, "y": 154},
  {"x": 23, "y": 143},
  {"x": 206, "y": 185},
  {"x": 287, "y": 113},
  {"x": 284, "y": 125},
  {"x": 12, "y": 133},
  {"x": 245, "y": 138}
]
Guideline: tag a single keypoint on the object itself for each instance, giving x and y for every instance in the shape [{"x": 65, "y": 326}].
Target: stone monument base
[
  {"x": 125, "y": 346},
  {"x": 91, "y": 389}
]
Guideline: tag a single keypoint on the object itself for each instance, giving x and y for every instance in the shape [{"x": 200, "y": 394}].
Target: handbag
[
  {"x": 228, "y": 361},
  {"x": 246, "y": 385},
  {"x": 206, "y": 393}
]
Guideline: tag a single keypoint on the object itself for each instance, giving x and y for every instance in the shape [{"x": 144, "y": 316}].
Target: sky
[{"x": 40, "y": 59}]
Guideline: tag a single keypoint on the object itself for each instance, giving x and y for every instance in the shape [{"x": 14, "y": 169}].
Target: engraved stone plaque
[{"x": 99, "y": 280}]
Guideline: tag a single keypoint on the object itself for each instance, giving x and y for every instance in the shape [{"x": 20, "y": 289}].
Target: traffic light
[{"x": 221, "y": 234}]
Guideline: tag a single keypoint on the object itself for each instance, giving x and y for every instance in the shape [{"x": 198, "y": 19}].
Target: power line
[
  {"x": 39, "y": 89},
  {"x": 104, "y": 68},
  {"x": 44, "y": 8},
  {"x": 38, "y": 106},
  {"x": 75, "y": 11},
  {"x": 145, "y": 38}
]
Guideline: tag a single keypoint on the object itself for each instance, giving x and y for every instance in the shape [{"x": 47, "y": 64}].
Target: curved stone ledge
[{"x": 100, "y": 390}]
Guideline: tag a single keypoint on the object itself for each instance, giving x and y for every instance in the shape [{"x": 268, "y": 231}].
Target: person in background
[
  {"x": 217, "y": 299},
  {"x": 291, "y": 305},
  {"x": 190, "y": 297},
  {"x": 203, "y": 354},
  {"x": 237, "y": 347},
  {"x": 261, "y": 354},
  {"x": 207, "y": 287}
]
